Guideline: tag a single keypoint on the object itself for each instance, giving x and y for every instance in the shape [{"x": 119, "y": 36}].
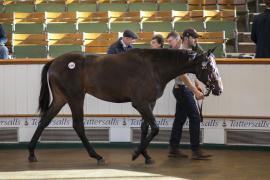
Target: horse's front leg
[
  {"x": 144, "y": 131},
  {"x": 146, "y": 112}
]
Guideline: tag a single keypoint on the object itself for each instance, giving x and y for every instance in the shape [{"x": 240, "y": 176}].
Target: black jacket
[
  {"x": 117, "y": 47},
  {"x": 198, "y": 49},
  {"x": 260, "y": 34},
  {"x": 3, "y": 37}
]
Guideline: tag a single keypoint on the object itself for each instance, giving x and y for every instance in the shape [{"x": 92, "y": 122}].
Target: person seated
[
  {"x": 3, "y": 40},
  {"x": 157, "y": 41}
]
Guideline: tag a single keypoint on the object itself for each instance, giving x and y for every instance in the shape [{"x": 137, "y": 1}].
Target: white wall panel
[
  {"x": 10, "y": 89},
  {"x": 104, "y": 107},
  {"x": 128, "y": 109},
  {"x": 21, "y": 89},
  {"x": 65, "y": 110},
  {"x": 246, "y": 89},
  {"x": 33, "y": 85},
  {"x": 2, "y": 87},
  {"x": 214, "y": 136},
  {"x": 116, "y": 108},
  {"x": 245, "y": 92},
  {"x": 91, "y": 104}
]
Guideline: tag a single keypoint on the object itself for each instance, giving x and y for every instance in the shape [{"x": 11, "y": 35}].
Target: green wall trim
[{"x": 130, "y": 146}]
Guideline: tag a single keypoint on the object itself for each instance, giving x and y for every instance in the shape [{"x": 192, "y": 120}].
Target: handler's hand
[{"x": 199, "y": 95}]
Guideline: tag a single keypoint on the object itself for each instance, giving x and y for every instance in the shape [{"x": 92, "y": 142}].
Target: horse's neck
[{"x": 175, "y": 66}]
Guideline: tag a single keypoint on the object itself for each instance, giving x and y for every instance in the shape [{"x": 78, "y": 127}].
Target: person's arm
[
  {"x": 198, "y": 49},
  {"x": 3, "y": 37},
  {"x": 198, "y": 85},
  {"x": 198, "y": 94},
  {"x": 253, "y": 31},
  {"x": 111, "y": 50}
]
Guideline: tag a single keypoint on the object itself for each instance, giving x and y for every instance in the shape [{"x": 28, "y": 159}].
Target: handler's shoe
[
  {"x": 175, "y": 152},
  {"x": 199, "y": 155}
]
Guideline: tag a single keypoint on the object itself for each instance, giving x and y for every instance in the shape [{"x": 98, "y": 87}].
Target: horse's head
[{"x": 207, "y": 72}]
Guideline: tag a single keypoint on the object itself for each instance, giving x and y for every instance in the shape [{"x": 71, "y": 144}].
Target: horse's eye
[
  {"x": 204, "y": 64},
  {"x": 212, "y": 67}
]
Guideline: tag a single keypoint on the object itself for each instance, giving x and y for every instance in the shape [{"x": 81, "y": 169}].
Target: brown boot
[
  {"x": 175, "y": 152},
  {"x": 199, "y": 155}
]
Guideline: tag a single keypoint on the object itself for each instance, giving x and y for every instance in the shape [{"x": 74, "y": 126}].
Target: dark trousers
[{"x": 185, "y": 107}]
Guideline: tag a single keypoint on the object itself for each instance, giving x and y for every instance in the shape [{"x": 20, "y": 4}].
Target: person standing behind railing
[
  {"x": 3, "y": 40},
  {"x": 124, "y": 43},
  {"x": 260, "y": 33},
  {"x": 157, "y": 41}
]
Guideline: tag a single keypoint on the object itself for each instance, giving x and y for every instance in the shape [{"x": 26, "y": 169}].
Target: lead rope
[
  {"x": 200, "y": 106},
  {"x": 200, "y": 109}
]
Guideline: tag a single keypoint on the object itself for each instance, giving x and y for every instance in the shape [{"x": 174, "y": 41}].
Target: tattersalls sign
[
  {"x": 248, "y": 124},
  {"x": 136, "y": 122},
  {"x": 10, "y": 122}
]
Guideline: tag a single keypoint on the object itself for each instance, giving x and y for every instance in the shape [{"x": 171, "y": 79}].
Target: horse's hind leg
[
  {"x": 146, "y": 111},
  {"x": 76, "y": 106},
  {"x": 45, "y": 120}
]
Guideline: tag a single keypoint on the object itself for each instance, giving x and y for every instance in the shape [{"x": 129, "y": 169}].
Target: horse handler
[{"x": 186, "y": 86}]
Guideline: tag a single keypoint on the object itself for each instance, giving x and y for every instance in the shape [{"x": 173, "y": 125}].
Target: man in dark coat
[
  {"x": 260, "y": 33},
  {"x": 124, "y": 43},
  {"x": 186, "y": 87},
  {"x": 3, "y": 40}
]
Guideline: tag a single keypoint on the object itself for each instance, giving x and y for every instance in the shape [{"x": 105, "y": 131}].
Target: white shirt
[
  {"x": 192, "y": 77},
  {"x": 124, "y": 45}
]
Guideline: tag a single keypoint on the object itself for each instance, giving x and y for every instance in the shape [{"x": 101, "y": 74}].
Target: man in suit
[
  {"x": 260, "y": 33},
  {"x": 124, "y": 43}
]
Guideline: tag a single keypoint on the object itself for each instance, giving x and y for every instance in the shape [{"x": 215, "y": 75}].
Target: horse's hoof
[
  {"x": 32, "y": 159},
  {"x": 135, "y": 155},
  {"x": 149, "y": 161},
  {"x": 101, "y": 162}
]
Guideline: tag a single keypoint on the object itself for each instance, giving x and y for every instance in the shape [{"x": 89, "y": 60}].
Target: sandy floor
[{"x": 75, "y": 164}]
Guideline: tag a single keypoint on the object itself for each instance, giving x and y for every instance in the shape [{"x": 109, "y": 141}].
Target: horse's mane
[
  {"x": 162, "y": 54},
  {"x": 145, "y": 54}
]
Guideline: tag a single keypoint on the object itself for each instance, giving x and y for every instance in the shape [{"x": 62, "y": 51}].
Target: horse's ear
[
  {"x": 208, "y": 52},
  {"x": 192, "y": 55},
  {"x": 211, "y": 51}
]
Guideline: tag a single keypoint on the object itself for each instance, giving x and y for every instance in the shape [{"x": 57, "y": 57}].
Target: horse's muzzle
[{"x": 216, "y": 92}]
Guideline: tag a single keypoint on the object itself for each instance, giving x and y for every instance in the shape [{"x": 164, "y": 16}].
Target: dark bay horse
[{"x": 138, "y": 76}]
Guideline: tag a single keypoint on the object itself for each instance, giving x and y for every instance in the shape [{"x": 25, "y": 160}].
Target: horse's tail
[{"x": 44, "y": 95}]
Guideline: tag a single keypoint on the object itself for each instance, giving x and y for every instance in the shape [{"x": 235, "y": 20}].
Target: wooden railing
[{"x": 219, "y": 61}]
